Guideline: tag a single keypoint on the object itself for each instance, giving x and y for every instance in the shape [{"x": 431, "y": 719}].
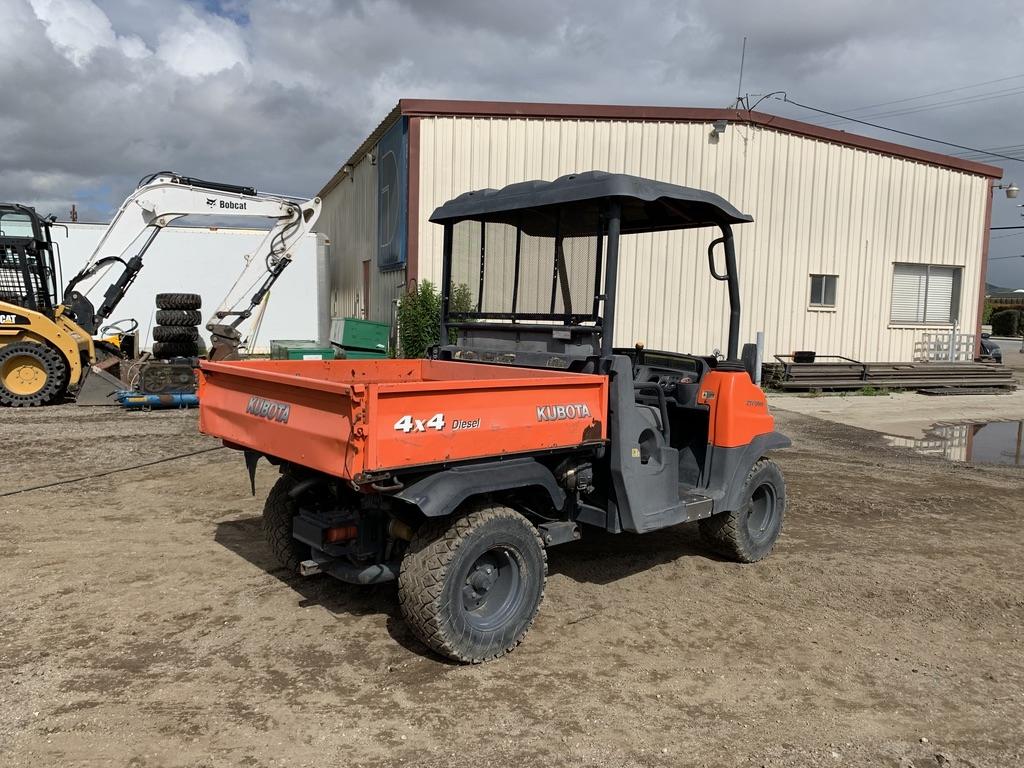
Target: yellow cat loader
[
  {"x": 47, "y": 349},
  {"x": 43, "y": 351}
]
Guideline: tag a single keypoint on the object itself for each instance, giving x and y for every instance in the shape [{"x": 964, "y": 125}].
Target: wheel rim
[
  {"x": 492, "y": 591},
  {"x": 23, "y": 375},
  {"x": 761, "y": 512}
]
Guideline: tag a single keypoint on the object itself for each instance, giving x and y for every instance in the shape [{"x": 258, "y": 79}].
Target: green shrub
[
  {"x": 986, "y": 314},
  {"x": 1006, "y": 323},
  {"x": 419, "y": 317},
  {"x": 460, "y": 300},
  {"x": 871, "y": 391}
]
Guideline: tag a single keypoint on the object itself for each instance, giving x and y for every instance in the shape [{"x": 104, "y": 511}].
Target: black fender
[
  {"x": 442, "y": 493},
  {"x": 738, "y": 462}
]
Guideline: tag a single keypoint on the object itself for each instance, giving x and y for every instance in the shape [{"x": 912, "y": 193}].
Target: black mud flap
[{"x": 252, "y": 458}]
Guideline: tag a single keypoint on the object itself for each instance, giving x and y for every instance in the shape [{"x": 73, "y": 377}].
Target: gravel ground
[{"x": 145, "y": 624}]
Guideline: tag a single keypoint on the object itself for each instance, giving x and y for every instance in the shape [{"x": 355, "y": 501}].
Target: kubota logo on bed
[
  {"x": 268, "y": 409},
  {"x": 561, "y": 412}
]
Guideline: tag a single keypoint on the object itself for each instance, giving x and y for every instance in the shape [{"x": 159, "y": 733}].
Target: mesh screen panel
[
  {"x": 13, "y": 288},
  {"x": 555, "y": 278}
]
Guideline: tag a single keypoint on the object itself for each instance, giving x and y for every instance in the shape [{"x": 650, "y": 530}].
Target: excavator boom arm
[{"x": 166, "y": 197}]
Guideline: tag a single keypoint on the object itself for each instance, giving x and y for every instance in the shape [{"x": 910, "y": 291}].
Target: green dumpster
[
  {"x": 299, "y": 349},
  {"x": 360, "y": 339}
]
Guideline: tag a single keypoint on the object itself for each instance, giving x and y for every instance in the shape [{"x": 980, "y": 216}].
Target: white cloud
[
  {"x": 133, "y": 47},
  {"x": 194, "y": 46},
  {"x": 77, "y": 28}
]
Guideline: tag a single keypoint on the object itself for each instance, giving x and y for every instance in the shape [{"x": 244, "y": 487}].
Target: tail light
[{"x": 341, "y": 533}]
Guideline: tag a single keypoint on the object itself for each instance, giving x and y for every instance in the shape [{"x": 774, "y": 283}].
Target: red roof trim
[{"x": 461, "y": 108}]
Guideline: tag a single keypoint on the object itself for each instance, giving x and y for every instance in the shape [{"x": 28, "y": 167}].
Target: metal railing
[{"x": 944, "y": 346}]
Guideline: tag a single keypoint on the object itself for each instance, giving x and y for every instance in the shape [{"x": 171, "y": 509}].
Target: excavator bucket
[{"x": 98, "y": 388}]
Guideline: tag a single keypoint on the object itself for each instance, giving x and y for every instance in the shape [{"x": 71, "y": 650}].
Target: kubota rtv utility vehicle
[{"x": 524, "y": 429}]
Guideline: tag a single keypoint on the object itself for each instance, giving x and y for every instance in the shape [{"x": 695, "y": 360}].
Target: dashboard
[{"x": 668, "y": 370}]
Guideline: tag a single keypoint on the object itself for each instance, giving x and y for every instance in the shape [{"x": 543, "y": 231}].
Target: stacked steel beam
[{"x": 844, "y": 374}]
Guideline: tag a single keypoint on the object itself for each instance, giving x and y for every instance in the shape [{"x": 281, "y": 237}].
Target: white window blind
[
  {"x": 939, "y": 308},
  {"x": 922, "y": 293}
]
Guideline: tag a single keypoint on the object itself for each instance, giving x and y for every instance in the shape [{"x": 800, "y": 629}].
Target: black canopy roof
[{"x": 571, "y": 205}]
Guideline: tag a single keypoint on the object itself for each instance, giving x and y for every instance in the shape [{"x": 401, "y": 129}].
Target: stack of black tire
[{"x": 176, "y": 333}]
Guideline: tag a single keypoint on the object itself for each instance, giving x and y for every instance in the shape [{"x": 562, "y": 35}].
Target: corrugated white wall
[
  {"x": 349, "y": 219},
  {"x": 818, "y": 208}
]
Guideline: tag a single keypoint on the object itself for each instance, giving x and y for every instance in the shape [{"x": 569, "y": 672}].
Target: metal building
[{"x": 859, "y": 247}]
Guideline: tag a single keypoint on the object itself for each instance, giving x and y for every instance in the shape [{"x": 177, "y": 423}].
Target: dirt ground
[{"x": 143, "y": 623}]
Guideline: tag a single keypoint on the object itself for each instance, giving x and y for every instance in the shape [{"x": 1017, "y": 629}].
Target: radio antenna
[{"x": 739, "y": 85}]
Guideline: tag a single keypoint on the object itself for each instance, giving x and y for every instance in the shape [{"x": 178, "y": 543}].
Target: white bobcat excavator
[{"x": 47, "y": 346}]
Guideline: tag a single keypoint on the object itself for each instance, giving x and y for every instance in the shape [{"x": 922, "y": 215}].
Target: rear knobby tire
[
  {"x": 748, "y": 533},
  {"x": 164, "y": 350},
  {"x": 175, "y": 333},
  {"x": 31, "y": 374},
  {"x": 179, "y": 301},
  {"x": 470, "y": 586},
  {"x": 278, "y": 513},
  {"x": 189, "y": 317}
]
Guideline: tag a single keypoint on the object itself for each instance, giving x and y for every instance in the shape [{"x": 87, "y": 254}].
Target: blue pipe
[{"x": 139, "y": 400}]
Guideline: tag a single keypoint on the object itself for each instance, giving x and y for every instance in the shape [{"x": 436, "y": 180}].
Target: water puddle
[{"x": 984, "y": 442}]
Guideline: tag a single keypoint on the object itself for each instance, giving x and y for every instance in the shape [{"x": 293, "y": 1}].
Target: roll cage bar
[{"x": 593, "y": 204}]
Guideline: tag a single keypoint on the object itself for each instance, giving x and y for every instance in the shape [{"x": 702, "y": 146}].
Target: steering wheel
[{"x": 115, "y": 327}]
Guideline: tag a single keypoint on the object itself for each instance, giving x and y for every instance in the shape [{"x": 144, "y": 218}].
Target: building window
[
  {"x": 925, "y": 294},
  {"x": 823, "y": 290}
]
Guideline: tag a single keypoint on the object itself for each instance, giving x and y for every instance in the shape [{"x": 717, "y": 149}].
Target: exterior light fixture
[
  {"x": 1011, "y": 189},
  {"x": 720, "y": 126}
]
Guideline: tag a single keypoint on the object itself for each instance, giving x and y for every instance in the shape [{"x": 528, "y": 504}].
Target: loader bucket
[{"x": 98, "y": 388}]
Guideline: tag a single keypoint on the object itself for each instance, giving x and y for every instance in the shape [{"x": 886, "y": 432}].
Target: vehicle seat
[
  {"x": 652, "y": 439},
  {"x": 686, "y": 392},
  {"x": 652, "y": 415}
]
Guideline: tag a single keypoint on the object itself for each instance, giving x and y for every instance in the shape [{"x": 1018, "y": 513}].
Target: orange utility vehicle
[{"x": 526, "y": 427}]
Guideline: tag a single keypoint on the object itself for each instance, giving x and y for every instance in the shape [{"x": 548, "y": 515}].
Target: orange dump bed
[{"x": 352, "y": 417}]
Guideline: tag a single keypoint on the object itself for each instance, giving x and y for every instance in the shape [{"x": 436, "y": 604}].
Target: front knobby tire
[
  {"x": 278, "y": 513},
  {"x": 31, "y": 374},
  {"x": 749, "y": 533},
  {"x": 470, "y": 586}
]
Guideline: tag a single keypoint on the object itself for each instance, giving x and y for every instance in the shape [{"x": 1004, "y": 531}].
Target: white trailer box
[{"x": 204, "y": 260}]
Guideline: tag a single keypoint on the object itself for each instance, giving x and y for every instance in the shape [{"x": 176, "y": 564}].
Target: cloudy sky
[{"x": 277, "y": 93}]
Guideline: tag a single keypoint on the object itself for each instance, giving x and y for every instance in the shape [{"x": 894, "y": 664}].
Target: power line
[
  {"x": 946, "y": 104},
  {"x": 949, "y": 103},
  {"x": 785, "y": 98},
  {"x": 937, "y": 93},
  {"x": 1000, "y": 258},
  {"x": 1003, "y": 150}
]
